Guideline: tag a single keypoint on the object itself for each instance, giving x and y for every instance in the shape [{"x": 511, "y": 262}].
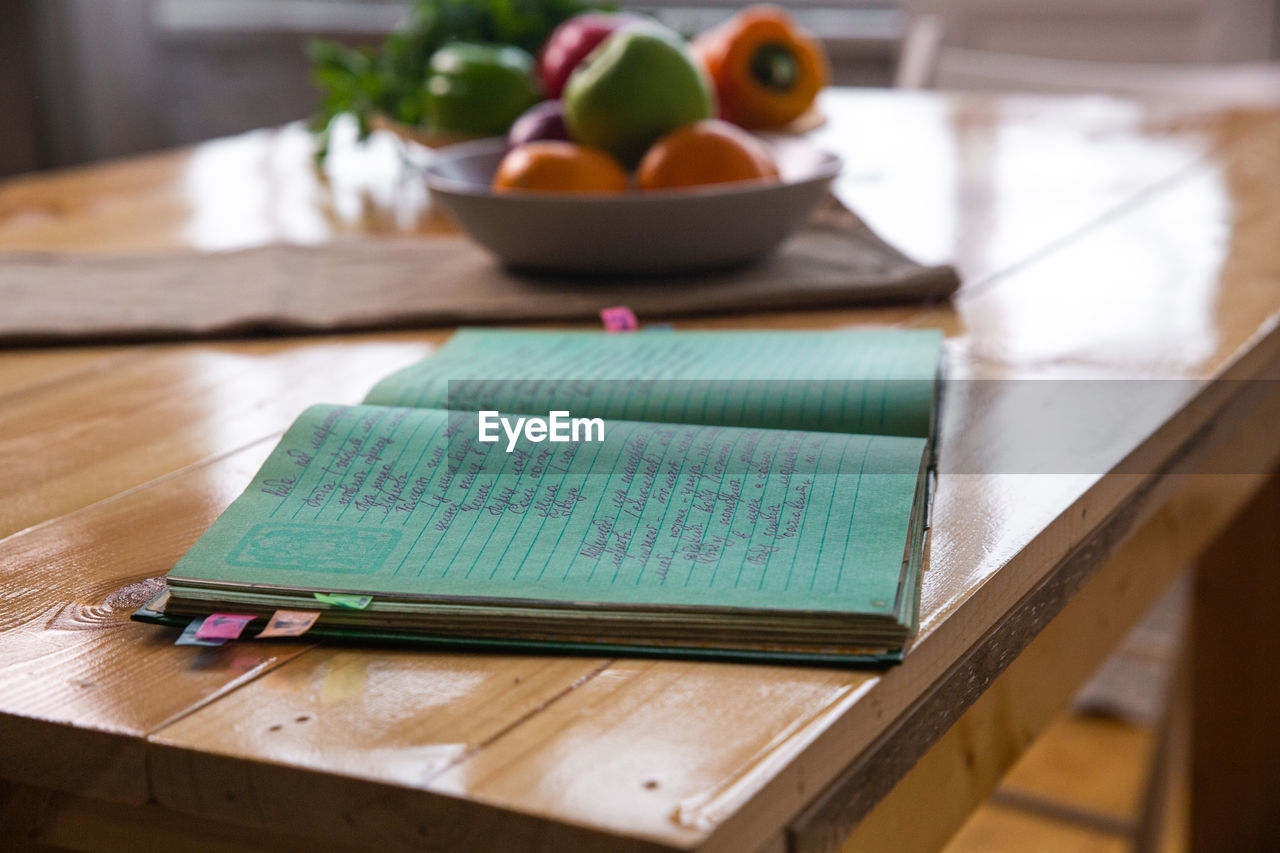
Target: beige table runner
[{"x": 381, "y": 283}]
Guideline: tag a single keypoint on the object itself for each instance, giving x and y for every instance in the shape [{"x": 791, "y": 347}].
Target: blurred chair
[
  {"x": 929, "y": 60},
  {"x": 1191, "y": 31}
]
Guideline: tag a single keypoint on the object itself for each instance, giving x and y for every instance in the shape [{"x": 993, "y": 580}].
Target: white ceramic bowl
[{"x": 636, "y": 232}]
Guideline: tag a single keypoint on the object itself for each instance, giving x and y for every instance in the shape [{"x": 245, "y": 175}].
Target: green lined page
[
  {"x": 867, "y": 381},
  {"x": 388, "y": 500}
]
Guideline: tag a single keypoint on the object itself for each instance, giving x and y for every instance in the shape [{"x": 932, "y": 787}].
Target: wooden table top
[{"x": 1097, "y": 238}]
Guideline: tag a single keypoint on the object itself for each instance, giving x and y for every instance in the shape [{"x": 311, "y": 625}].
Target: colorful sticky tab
[
  {"x": 342, "y": 599},
  {"x": 222, "y": 626},
  {"x": 289, "y": 623},
  {"x": 619, "y": 318},
  {"x": 189, "y": 636}
]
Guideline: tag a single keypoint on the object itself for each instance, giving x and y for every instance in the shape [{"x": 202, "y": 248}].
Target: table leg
[{"x": 1235, "y": 673}]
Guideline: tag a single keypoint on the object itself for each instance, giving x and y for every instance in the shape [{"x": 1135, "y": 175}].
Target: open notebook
[{"x": 757, "y": 495}]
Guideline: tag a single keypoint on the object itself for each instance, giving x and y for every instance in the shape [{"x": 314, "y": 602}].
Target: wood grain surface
[{"x": 1098, "y": 239}]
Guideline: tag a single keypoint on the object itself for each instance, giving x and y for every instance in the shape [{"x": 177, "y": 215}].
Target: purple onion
[{"x": 543, "y": 120}]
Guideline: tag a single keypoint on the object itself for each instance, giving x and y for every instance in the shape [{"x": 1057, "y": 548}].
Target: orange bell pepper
[{"x": 767, "y": 71}]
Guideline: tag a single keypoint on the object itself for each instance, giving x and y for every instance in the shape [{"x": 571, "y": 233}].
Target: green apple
[{"x": 641, "y": 83}]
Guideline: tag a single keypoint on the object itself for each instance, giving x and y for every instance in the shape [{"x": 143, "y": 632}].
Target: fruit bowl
[{"x": 637, "y": 232}]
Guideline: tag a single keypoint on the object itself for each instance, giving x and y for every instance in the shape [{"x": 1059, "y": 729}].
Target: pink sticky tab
[
  {"x": 222, "y": 626},
  {"x": 289, "y": 623},
  {"x": 619, "y": 318}
]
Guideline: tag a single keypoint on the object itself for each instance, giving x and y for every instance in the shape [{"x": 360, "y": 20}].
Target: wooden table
[{"x": 1097, "y": 238}]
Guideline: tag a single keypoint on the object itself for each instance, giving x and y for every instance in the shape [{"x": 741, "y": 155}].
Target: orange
[
  {"x": 553, "y": 166},
  {"x": 708, "y": 152}
]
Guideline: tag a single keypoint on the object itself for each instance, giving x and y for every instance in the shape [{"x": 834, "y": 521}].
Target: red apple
[{"x": 570, "y": 44}]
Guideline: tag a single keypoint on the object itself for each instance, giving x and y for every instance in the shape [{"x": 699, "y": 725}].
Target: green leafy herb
[{"x": 366, "y": 82}]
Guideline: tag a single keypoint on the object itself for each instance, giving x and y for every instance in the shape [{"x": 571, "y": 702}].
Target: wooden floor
[{"x": 1078, "y": 790}]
